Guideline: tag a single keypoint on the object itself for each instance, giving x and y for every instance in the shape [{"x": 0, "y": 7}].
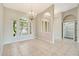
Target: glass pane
[
  {"x": 30, "y": 27},
  {"x": 69, "y": 29},
  {"x": 45, "y": 26},
  {"x": 24, "y": 26},
  {"x": 14, "y": 28}
]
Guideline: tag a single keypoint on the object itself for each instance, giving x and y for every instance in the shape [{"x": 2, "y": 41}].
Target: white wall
[
  {"x": 57, "y": 27},
  {"x": 78, "y": 24},
  {"x": 1, "y": 27},
  {"x": 78, "y": 31},
  {"x": 1, "y": 23}
]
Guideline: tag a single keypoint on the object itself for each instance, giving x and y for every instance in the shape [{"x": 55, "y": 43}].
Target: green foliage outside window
[
  {"x": 23, "y": 25},
  {"x": 14, "y": 28}
]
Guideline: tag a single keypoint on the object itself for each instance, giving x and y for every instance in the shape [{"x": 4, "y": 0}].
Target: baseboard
[
  {"x": 10, "y": 42},
  {"x": 16, "y": 39}
]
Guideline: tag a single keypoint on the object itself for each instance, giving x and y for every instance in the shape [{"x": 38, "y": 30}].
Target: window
[
  {"x": 45, "y": 22},
  {"x": 25, "y": 26},
  {"x": 69, "y": 29},
  {"x": 14, "y": 28},
  {"x": 45, "y": 26}
]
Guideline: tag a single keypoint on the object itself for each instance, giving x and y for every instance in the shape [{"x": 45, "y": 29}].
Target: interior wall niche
[
  {"x": 45, "y": 17},
  {"x": 45, "y": 26},
  {"x": 70, "y": 27},
  {"x": 45, "y": 22}
]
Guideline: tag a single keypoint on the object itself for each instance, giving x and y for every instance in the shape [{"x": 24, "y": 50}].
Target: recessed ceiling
[{"x": 39, "y": 7}]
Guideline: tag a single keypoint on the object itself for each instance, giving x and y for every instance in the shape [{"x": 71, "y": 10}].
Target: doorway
[{"x": 69, "y": 28}]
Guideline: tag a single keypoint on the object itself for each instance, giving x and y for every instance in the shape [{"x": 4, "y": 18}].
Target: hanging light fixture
[{"x": 32, "y": 15}]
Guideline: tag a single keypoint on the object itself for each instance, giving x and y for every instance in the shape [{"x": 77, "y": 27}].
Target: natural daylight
[{"x": 39, "y": 29}]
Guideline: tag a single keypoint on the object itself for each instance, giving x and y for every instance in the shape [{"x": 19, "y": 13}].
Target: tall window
[
  {"x": 45, "y": 26},
  {"x": 25, "y": 26},
  {"x": 46, "y": 29}
]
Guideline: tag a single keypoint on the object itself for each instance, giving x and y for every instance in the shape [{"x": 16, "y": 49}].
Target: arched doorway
[{"x": 70, "y": 27}]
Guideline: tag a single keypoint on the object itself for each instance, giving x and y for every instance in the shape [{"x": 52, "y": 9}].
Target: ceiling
[
  {"x": 39, "y": 7},
  {"x": 60, "y": 7},
  {"x": 27, "y": 7}
]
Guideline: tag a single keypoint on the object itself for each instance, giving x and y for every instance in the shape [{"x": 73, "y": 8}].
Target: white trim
[{"x": 17, "y": 40}]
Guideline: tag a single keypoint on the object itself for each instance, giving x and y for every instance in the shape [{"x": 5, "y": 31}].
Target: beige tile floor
[{"x": 36, "y": 47}]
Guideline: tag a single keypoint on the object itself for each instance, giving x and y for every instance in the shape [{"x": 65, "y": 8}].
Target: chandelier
[{"x": 32, "y": 15}]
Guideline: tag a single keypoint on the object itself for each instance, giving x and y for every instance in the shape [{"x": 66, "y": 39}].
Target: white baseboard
[
  {"x": 16, "y": 39},
  {"x": 9, "y": 42}
]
